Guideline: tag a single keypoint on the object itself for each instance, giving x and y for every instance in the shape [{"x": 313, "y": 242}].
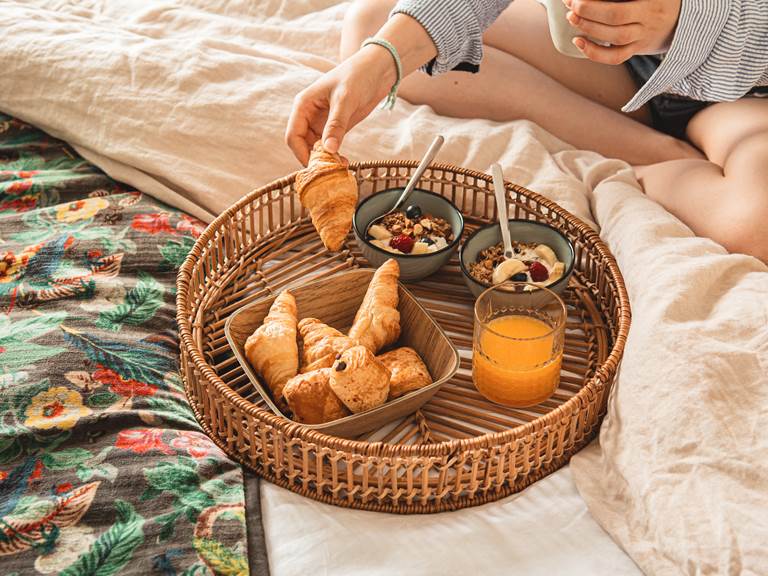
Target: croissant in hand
[{"x": 329, "y": 191}]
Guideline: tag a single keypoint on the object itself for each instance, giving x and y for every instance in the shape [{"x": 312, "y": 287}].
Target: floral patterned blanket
[{"x": 103, "y": 468}]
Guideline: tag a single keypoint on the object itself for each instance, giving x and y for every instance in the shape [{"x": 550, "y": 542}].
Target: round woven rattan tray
[{"x": 459, "y": 450}]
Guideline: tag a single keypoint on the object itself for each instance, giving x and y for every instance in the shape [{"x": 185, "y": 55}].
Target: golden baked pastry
[
  {"x": 311, "y": 399},
  {"x": 322, "y": 344},
  {"x": 408, "y": 371},
  {"x": 377, "y": 322},
  {"x": 272, "y": 348},
  {"x": 359, "y": 380},
  {"x": 329, "y": 191}
]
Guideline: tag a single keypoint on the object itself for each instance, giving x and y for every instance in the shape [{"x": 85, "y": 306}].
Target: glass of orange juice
[{"x": 518, "y": 343}]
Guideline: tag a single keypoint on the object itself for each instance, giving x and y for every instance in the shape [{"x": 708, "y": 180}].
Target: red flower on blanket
[
  {"x": 119, "y": 385},
  {"x": 195, "y": 443},
  {"x": 192, "y": 225},
  {"x": 19, "y": 173},
  {"x": 142, "y": 440},
  {"x": 152, "y": 223},
  {"x": 23, "y": 204},
  {"x": 19, "y": 187},
  {"x": 37, "y": 473}
]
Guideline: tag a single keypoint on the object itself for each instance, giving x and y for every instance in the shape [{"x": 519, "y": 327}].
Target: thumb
[{"x": 336, "y": 126}]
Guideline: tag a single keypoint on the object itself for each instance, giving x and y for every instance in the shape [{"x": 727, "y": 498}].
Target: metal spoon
[
  {"x": 434, "y": 148},
  {"x": 511, "y": 265}
]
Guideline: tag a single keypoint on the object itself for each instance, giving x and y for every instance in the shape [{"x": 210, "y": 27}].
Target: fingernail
[
  {"x": 572, "y": 18},
  {"x": 567, "y": 3},
  {"x": 579, "y": 43},
  {"x": 331, "y": 144}
]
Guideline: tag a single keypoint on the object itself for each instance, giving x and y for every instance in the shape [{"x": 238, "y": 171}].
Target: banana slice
[
  {"x": 557, "y": 272},
  {"x": 507, "y": 269},
  {"x": 420, "y": 248},
  {"x": 383, "y": 245},
  {"x": 379, "y": 232},
  {"x": 545, "y": 252}
]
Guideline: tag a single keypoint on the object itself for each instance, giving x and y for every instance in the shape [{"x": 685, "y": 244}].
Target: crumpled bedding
[{"x": 188, "y": 102}]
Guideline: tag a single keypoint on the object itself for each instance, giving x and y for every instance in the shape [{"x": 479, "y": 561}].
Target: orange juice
[{"x": 515, "y": 364}]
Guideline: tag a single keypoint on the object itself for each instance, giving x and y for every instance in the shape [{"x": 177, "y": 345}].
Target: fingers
[
  {"x": 604, "y": 54},
  {"x": 610, "y": 13},
  {"x": 617, "y": 35},
  {"x": 338, "y": 121},
  {"x": 297, "y": 132}
]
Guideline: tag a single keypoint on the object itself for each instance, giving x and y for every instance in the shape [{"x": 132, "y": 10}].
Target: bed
[{"x": 187, "y": 103}]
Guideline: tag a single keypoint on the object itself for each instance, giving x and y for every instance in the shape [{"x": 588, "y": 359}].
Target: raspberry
[
  {"x": 538, "y": 272},
  {"x": 403, "y": 243}
]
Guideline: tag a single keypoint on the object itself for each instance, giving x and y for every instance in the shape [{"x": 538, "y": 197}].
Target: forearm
[
  {"x": 456, "y": 28},
  {"x": 413, "y": 43}
]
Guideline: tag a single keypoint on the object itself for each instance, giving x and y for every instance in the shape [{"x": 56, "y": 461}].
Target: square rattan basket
[{"x": 335, "y": 300}]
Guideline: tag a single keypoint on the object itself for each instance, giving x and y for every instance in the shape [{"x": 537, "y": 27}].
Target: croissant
[
  {"x": 311, "y": 399},
  {"x": 408, "y": 371},
  {"x": 329, "y": 191},
  {"x": 272, "y": 348},
  {"x": 377, "y": 322},
  {"x": 359, "y": 380},
  {"x": 321, "y": 344}
]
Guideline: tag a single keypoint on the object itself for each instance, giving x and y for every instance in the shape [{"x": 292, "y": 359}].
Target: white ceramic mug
[{"x": 560, "y": 29}]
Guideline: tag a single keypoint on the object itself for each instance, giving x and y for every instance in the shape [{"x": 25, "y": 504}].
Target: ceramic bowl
[
  {"x": 417, "y": 266},
  {"x": 521, "y": 231}
]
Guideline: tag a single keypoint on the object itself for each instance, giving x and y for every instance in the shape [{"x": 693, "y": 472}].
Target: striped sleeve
[
  {"x": 719, "y": 52},
  {"x": 456, "y": 27}
]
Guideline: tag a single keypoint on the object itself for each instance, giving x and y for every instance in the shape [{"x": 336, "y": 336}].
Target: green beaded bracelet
[{"x": 389, "y": 102}]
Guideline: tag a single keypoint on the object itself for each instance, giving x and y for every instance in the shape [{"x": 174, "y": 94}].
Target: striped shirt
[{"x": 719, "y": 51}]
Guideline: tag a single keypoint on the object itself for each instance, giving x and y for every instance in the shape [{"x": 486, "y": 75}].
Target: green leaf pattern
[{"x": 89, "y": 389}]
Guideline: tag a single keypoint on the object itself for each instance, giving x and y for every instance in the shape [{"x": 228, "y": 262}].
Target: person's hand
[
  {"x": 631, "y": 27},
  {"x": 338, "y": 100}
]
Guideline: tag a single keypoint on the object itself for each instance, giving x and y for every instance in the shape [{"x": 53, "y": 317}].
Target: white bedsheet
[
  {"x": 544, "y": 530},
  {"x": 188, "y": 101}
]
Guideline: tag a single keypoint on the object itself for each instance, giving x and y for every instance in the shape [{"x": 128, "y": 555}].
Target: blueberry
[
  {"x": 427, "y": 240},
  {"x": 413, "y": 212},
  {"x": 520, "y": 277}
]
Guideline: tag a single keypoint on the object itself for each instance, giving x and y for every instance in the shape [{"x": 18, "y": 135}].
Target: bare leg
[
  {"x": 522, "y": 76},
  {"x": 725, "y": 198}
]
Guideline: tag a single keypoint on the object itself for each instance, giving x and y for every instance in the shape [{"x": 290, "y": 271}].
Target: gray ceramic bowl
[
  {"x": 521, "y": 231},
  {"x": 417, "y": 266}
]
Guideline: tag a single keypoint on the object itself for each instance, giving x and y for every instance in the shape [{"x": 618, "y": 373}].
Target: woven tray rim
[{"x": 604, "y": 373}]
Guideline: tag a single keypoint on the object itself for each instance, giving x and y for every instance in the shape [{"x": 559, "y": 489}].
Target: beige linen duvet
[{"x": 188, "y": 101}]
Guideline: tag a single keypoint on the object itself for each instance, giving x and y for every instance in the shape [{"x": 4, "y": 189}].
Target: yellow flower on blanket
[
  {"x": 57, "y": 407},
  {"x": 80, "y": 209},
  {"x": 12, "y": 264}
]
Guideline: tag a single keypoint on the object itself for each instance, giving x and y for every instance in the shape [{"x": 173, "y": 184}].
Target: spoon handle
[
  {"x": 501, "y": 207},
  {"x": 434, "y": 148}
]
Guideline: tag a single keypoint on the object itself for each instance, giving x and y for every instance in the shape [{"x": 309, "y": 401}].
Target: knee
[
  {"x": 747, "y": 171},
  {"x": 746, "y": 231},
  {"x": 363, "y": 19}
]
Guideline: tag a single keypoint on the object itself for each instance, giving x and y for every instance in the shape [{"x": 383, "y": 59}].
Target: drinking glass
[{"x": 518, "y": 343}]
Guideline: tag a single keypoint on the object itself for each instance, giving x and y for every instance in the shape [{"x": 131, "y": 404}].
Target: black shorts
[{"x": 671, "y": 113}]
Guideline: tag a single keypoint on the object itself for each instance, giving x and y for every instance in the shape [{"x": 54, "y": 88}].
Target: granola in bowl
[
  {"x": 411, "y": 232},
  {"x": 533, "y": 263}
]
